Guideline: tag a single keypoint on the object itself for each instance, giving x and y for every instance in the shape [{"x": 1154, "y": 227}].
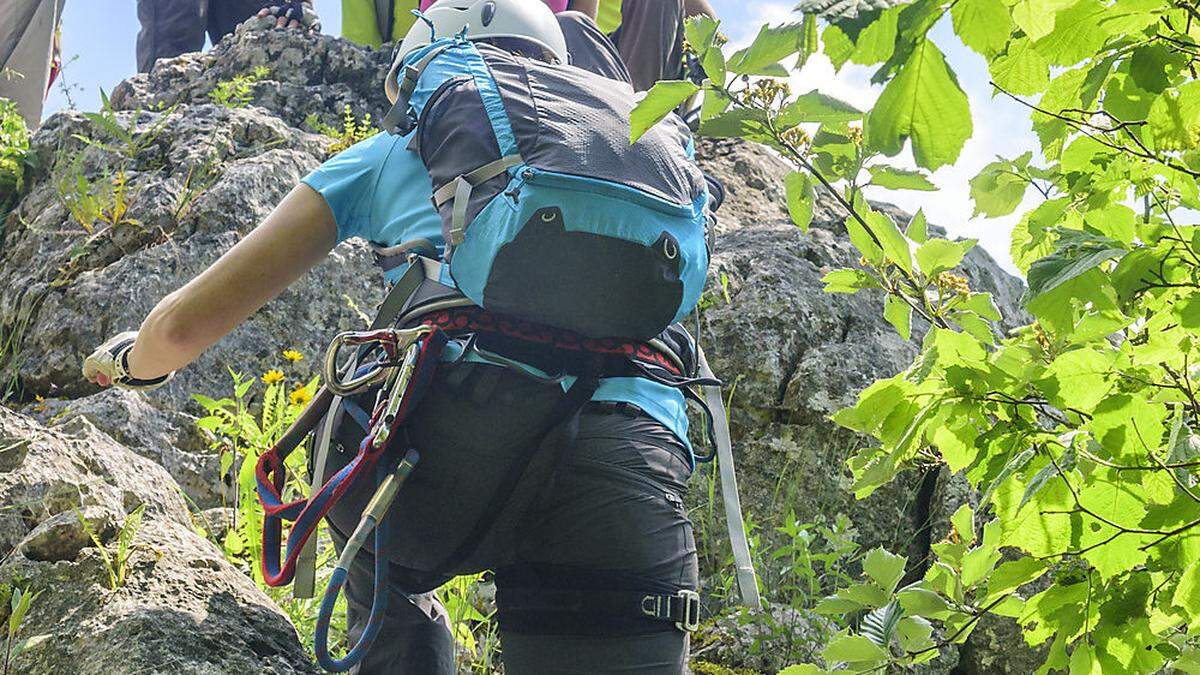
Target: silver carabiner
[
  {"x": 398, "y": 387},
  {"x": 395, "y": 341}
]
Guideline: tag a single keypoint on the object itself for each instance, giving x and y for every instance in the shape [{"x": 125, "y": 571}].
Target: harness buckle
[{"x": 683, "y": 606}]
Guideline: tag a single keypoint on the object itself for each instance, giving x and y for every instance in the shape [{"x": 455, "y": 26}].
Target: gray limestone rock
[{"x": 182, "y": 607}]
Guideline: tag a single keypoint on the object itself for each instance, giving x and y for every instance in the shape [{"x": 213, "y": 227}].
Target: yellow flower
[
  {"x": 272, "y": 376},
  {"x": 292, "y": 355},
  {"x": 300, "y": 396}
]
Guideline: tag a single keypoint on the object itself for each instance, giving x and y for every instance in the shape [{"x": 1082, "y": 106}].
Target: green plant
[
  {"x": 128, "y": 142},
  {"x": 198, "y": 180},
  {"x": 105, "y": 202},
  {"x": 19, "y": 603},
  {"x": 240, "y": 435},
  {"x": 353, "y": 130},
  {"x": 15, "y": 158},
  {"x": 12, "y": 337},
  {"x": 117, "y": 563},
  {"x": 1077, "y": 429},
  {"x": 236, "y": 92},
  {"x": 474, "y": 630}
]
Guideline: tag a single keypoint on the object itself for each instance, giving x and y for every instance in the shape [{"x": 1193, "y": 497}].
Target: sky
[{"x": 99, "y": 37}]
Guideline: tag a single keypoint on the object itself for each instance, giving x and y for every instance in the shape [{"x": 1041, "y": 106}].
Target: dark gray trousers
[
  {"x": 602, "y": 513},
  {"x": 650, "y": 40},
  {"x": 174, "y": 27}
]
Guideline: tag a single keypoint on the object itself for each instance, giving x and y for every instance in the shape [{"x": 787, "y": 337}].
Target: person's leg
[
  {"x": 611, "y": 531},
  {"x": 169, "y": 28},
  {"x": 25, "y": 63},
  {"x": 589, "y": 48},
  {"x": 415, "y": 637},
  {"x": 650, "y": 40},
  {"x": 225, "y": 15}
]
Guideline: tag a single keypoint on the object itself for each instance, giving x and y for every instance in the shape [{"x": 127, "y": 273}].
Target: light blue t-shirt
[{"x": 378, "y": 190}]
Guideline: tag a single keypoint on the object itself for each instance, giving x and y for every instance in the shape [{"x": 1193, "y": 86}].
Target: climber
[
  {"x": 174, "y": 27},
  {"x": 574, "y": 452},
  {"x": 648, "y": 34},
  {"x": 373, "y": 22}
]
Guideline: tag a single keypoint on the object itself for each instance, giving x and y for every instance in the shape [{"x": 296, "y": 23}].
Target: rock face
[
  {"x": 193, "y": 177},
  {"x": 182, "y": 607}
]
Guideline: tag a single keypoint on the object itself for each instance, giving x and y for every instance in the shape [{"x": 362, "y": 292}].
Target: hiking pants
[
  {"x": 174, "y": 27},
  {"x": 608, "y": 516},
  {"x": 27, "y": 30},
  {"x": 650, "y": 40}
]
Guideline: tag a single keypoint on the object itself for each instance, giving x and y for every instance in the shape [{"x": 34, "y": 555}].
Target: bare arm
[{"x": 296, "y": 236}]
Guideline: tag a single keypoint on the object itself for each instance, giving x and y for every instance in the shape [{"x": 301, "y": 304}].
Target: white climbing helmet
[{"x": 528, "y": 20}]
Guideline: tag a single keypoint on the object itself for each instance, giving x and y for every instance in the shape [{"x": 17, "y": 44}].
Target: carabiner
[{"x": 393, "y": 341}]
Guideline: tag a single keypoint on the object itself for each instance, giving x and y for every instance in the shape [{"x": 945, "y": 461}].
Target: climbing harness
[
  {"x": 405, "y": 368},
  {"x": 400, "y": 364}
]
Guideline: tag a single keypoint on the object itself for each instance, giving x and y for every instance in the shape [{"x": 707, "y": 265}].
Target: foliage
[
  {"x": 237, "y": 92},
  {"x": 14, "y": 155},
  {"x": 1078, "y": 429},
  {"x": 104, "y": 203},
  {"x": 19, "y": 600},
  {"x": 353, "y": 130},
  {"x": 124, "y": 139},
  {"x": 117, "y": 563}
]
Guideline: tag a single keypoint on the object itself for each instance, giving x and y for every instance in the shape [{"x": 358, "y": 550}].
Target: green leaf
[
  {"x": 884, "y": 568},
  {"x": 918, "y": 228},
  {"x": 1021, "y": 69},
  {"x": 1036, "y": 17},
  {"x": 899, "y": 314},
  {"x": 998, "y": 189},
  {"x": 802, "y": 669},
  {"x": 879, "y": 625},
  {"x": 1013, "y": 574},
  {"x": 963, "y": 521},
  {"x": 915, "y": 634},
  {"x": 701, "y": 32},
  {"x": 816, "y": 107},
  {"x": 749, "y": 123},
  {"x": 1187, "y": 593},
  {"x": 1078, "y": 379},
  {"x": 1078, "y": 34},
  {"x": 1014, "y": 464},
  {"x": 848, "y": 281},
  {"x": 891, "y": 240},
  {"x": 657, "y": 104},
  {"x": 772, "y": 44},
  {"x": 1053, "y": 271},
  {"x": 894, "y": 178},
  {"x": 1174, "y": 118},
  {"x": 923, "y": 602},
  {"x": 853, "y": 649},
  {"x": 799, "y": 188},
  {"x": 939, "y": 255},
  {"x": 923, "y": 103},
  {"x": 982, "y": 25}
]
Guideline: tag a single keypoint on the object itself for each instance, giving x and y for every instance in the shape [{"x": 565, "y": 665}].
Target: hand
[
  {"x": 294, "y": 14},
  {"x": 108, "y": 366}
]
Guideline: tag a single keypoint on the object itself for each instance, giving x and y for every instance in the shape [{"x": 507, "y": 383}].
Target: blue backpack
[{"x": 548, "y": 212}]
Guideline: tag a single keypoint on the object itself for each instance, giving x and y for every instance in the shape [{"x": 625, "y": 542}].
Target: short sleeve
[{"x": 347, "y": 182}]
